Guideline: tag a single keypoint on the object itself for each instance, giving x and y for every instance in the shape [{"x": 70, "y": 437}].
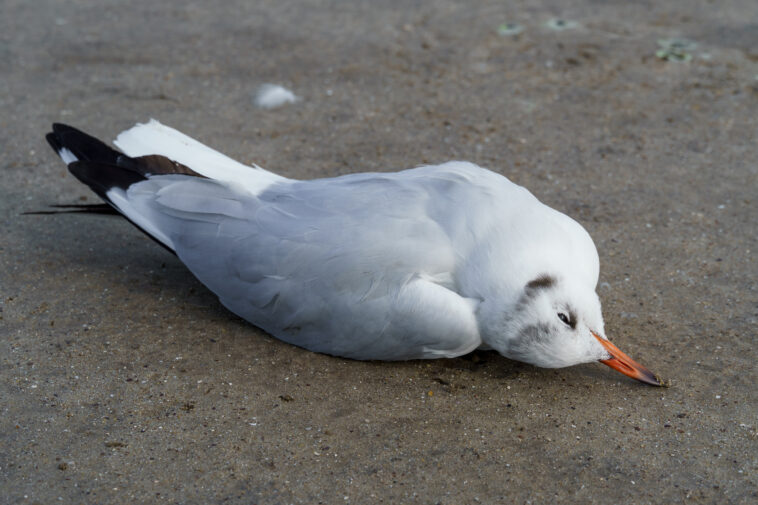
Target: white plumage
[{"x": 430, "y": 262}]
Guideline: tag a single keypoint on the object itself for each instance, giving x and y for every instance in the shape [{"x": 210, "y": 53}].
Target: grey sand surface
[{"x": 123, "y": 380}]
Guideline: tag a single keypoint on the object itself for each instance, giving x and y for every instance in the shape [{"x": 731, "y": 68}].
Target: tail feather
[
  {"x": 110, "y": 173},
  {"x": 153, "y": 138}
]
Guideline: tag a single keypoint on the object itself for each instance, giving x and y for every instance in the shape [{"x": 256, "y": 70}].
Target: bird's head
[{"x": 557, "y": 323}]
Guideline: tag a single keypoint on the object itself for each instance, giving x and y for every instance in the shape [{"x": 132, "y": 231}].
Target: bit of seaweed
[{"x": 675, "y": 49}]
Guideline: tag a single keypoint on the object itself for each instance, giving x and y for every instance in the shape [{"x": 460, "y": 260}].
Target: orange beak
[{"x": 626, "y": 365}]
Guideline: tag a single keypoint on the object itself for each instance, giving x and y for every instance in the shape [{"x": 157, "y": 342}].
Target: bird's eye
[{"x": 564, "y": 318}]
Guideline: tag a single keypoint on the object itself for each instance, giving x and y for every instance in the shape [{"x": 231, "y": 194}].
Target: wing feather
[{"x": 329, "y": 266}]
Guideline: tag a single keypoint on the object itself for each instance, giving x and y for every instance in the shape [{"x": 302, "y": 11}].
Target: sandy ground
[{"x": 124, "y": 381}]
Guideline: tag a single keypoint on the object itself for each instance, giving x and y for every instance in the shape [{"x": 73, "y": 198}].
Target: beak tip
[
  {"x": 627, "y": 366},
  {"x": 652, "y": 379}
]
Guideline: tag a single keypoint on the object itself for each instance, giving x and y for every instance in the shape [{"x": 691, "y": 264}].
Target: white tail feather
[{"x": 155, "y": 138}]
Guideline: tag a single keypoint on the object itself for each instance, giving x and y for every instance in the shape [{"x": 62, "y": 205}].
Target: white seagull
[{"x": 431, "y": 262}]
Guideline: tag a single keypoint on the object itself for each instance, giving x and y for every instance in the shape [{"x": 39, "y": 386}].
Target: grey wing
[{"x": 352, "y": 266}]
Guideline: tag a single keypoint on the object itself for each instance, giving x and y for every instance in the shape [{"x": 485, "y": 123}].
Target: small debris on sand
[
  {"x": 675, "y": 49},
  {"x": 561, "y": 24},
  {"x": 665, "y": 383},
  {"x": 269, "y": 96},
  {"x": 509, "y": 29}
]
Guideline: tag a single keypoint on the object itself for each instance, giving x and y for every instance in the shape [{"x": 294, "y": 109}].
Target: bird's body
[{"x": 429, "y": 262}]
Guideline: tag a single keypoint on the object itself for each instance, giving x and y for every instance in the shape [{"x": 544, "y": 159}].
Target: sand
[{"x": 123, "y": 380}]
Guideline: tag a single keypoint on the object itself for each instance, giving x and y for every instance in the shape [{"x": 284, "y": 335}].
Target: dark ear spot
[{"x": 544, "y": 281}]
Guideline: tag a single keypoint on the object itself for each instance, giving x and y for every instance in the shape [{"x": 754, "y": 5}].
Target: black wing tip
[
  {"x": 95, "y": 164},
  {"x": 55, "y": 137},
  {"x": 102, "y": 177},
  {"x": 62, "y": 128},
  {"x": 55, "y": 143},
  {"x": 82, "y": 145}
]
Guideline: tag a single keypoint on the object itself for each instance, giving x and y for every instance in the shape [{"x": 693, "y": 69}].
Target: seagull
[{"x": 430, "y": 262}]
